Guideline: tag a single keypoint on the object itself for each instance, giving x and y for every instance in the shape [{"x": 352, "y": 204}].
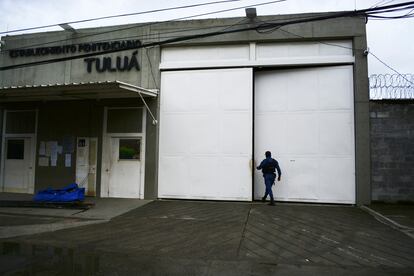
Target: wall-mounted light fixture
[{"x": 251, "y": 13}]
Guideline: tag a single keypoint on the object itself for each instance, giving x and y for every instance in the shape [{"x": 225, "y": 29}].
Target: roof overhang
[{"x": 74, "y": 91}]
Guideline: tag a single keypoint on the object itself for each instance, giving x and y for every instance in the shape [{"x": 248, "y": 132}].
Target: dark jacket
[{"x": 269, "y": 165}]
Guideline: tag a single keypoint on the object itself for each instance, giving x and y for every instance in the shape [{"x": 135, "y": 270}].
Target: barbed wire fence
[{"x": 391, "y": 87}]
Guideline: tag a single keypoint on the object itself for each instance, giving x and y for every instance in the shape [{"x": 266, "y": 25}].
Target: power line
[
  {"x": 181, "y": 30},
  {"x": 389, "y": 67},
  {"x": 259, "y": 27},
  {"x": 160, "y": 43},
  {"x": 351, "y": 48},
  {"x": 148, "y": 24},
  {"x": 381, "y": 2},
  {"x": 159, "y": 35},
  {"x": 168, "y": 41},
  {"x": 120, "y": 15},
  {"x": 152, "y": 71},
  {"x": 372, "y": 10},
  {"x": 322, "y": 42},
  {"x": 409, "y": 14}
]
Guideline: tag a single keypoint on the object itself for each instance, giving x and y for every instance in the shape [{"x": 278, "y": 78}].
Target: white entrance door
[
  {"x": 206, "y": 134},
  {"x": 124, "y": 173},
  {"x": 305, "y": 117},
  {"x": 18, "y": 165}
]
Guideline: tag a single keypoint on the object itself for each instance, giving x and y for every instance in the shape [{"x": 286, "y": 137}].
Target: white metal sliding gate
[
  {"x": 205, "y": 145},
  {"x": 306, "y": 118}
]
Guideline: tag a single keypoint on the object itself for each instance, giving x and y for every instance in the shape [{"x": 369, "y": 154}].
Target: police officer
[{"x": 268, "y": 167}]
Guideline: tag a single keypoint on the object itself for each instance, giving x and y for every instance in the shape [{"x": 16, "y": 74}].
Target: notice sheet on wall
[
  {"x": 68, "y": 160},
  {"x": 53, "y": 161},
  {"x": 42, "y": 148},
  {"x": 68, "y": 144},
  {"x": 43, "y": 161},
  {"x": 52, "y": 151}
]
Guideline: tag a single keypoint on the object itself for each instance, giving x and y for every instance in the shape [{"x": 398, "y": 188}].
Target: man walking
[{"x": 268, "y": 167}]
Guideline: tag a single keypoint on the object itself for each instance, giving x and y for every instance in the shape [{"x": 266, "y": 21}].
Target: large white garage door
[
  {"x": 306, "y": 118},
  {"x": 205, "y": 145}
]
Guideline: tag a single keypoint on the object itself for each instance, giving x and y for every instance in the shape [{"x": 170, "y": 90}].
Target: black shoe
[
  {"x": 263, "y": 199},
  {"x": 272, "y": 203}
]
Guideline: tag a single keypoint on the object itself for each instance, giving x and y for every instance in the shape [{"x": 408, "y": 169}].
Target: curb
[
  {"x": 383, "y": 219},
  {"x": 24, "y": 230}
]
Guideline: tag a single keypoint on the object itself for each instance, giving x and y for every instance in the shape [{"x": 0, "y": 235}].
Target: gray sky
[{"x": 390, "y": 40}]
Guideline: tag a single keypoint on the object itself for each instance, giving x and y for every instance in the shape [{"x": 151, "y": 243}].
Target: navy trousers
[{"x": 269, "y": 179}]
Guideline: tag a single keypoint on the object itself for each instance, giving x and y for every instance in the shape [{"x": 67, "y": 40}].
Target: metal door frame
[{"x": 106, "y": 153}]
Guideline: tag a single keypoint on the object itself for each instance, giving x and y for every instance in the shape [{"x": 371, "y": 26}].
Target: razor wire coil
[{"x": 391, "y": 86}]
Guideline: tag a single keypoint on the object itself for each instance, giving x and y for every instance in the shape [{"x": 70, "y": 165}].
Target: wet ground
[
  {"x": 210, "y": 238},
  {"x": 13, "y": 220}
]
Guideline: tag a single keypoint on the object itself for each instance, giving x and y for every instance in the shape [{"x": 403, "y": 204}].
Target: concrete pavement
[
  {"x": 17, "y": 221},
  {"x": 397, "y": 216},
  {"x": 210, "y": 238},
  {"x": 402, "y": 214}
]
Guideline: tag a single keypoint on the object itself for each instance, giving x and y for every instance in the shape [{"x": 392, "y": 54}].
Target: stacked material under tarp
[{"x": 69, "y": 193}]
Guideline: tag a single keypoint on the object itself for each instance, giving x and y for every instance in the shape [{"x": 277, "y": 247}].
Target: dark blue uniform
[{"x": 269, "y": 166}]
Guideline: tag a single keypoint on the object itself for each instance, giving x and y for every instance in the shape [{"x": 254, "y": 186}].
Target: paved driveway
[{"x": 209, "y": 238}]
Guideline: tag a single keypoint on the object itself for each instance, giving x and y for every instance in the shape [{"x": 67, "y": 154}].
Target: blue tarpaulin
[{"x": 69, "y": 193}]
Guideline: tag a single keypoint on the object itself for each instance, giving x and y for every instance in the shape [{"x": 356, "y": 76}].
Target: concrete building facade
[{"x": 192, "y": 117}]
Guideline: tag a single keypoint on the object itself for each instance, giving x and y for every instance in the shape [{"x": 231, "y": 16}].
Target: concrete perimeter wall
[{"x": 392, "y": 150}]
